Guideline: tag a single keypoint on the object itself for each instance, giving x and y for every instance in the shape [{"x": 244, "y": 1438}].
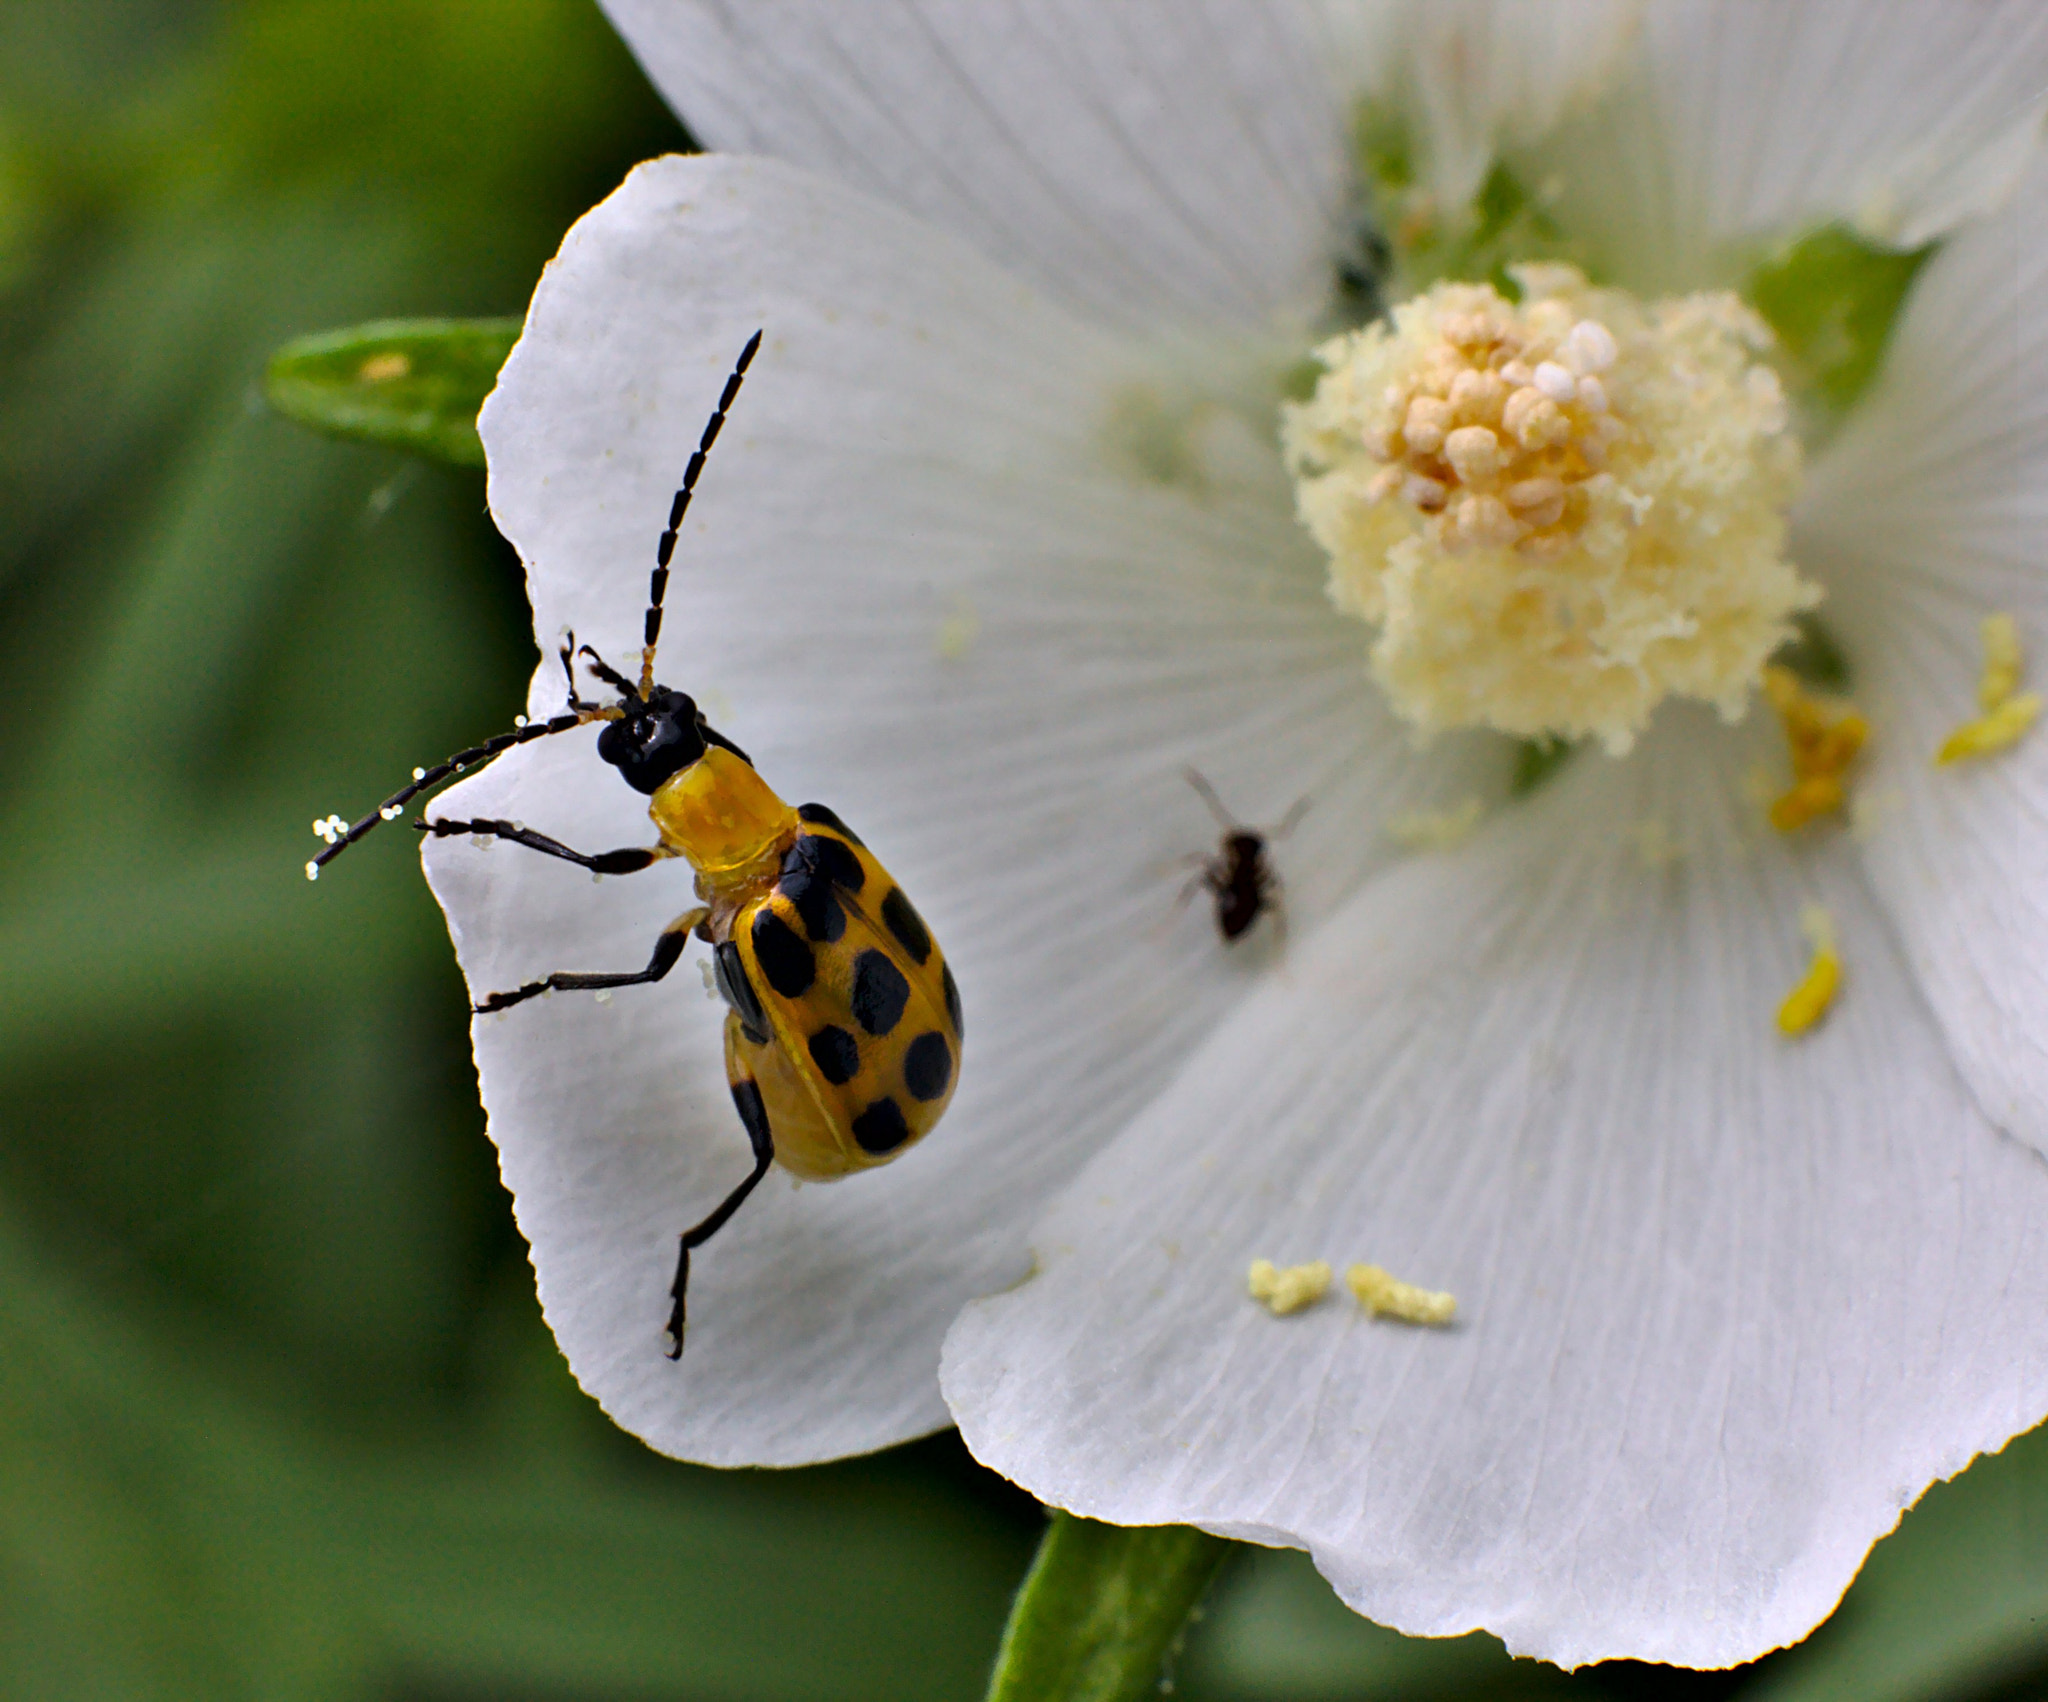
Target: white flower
[{"x": 998, "y": 541}]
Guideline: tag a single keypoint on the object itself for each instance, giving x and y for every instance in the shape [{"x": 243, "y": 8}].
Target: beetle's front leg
[
  {"x": 668, "y": 951},
  {"x": 627, "y": 861}
]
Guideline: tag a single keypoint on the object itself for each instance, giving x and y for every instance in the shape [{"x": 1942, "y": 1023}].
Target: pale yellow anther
[
  {"x": 1474, "y": 454},
  {"x": 1424, "y": 425},
  {"x": 1285, "y": 1289},
  {"x": 1822, "y": 747},
  {"x": 1808, "y": 1002},
  {"x": 1533, "y": 420},
  {"x": 1590, "y": 509},
  {"x": 1386, "y": 1296},
  {"x": 2008, "y": 711}
]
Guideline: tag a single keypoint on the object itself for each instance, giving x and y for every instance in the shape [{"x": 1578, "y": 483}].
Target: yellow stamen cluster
[
  {"x": 1387, "y": 1296},
  {"x": 1289, "y": 1290},
  {"x": 1808, "y": 1002},
  {"x": 2008, "y": 711},
  {"x": 1558, "y": 512},
  {"x": 1822, "y": 745}
]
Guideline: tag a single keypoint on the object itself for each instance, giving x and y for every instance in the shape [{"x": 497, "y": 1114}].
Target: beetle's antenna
[
  {"x": 1196, "y": 779},
  {"x": 1291, "y": 820},
  {"x": 657, "y": 586},
  {"x": 339, "y": 839}
]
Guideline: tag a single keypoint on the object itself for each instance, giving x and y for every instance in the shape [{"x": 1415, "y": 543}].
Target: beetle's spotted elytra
[
  {"x": 1240, "y": 875},
  {"x": 842, "y": 1028}
]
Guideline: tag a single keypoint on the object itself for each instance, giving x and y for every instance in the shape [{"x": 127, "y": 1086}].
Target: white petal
[
  {"x": 1742, "y": 123},
  {"x": 1163, "y": 159},
  {"x": 1727, "y": 1303},
  {"x": 1930, "y": 512},
  {"x": 921, "y": 441},
  {"x": 1474, "y": 74}
]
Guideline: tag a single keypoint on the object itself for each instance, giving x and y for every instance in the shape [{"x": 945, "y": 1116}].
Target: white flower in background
[{"x": 1000, "y": 539}]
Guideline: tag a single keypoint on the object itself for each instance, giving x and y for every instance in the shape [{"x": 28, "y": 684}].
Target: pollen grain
[
  {"x": 1386, "y": 1296},
  {"x": 1823, "y": 746},
  {"x": 2007, "y": 711},
  {"x": 1808, "y": 1002},
  {"x": 1284, "y": 1289}
]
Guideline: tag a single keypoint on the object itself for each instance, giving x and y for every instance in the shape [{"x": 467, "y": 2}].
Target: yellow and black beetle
[{"x": 842, "y": 1032}]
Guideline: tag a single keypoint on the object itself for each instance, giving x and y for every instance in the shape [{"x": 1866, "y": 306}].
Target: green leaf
[
  {"x": 1955, "y": 1604},
  {"x": 1536, "y": 760},
  {"x": 1274, "y": 1631},
  {"x": 1101, "y": 1610},
  {"x": 1815, "y": 656},
  {"x": 411, "y": 383},
  {"x": 1832, "y": 298}
]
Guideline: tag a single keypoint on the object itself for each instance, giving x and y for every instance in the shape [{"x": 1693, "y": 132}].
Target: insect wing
[{"x": 859, "y": 1003}]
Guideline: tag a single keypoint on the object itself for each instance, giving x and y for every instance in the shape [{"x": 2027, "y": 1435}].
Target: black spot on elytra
[
  {"x": 881, "y": 1128},
  {"x": 753, "y": 1113},
  {"x": 836, "y": 862},
  {"x": 827, "y": 818},
  {"x": 905, "y": 923},
  {"x": 738, "y": 992},
  {"x": 952, "y": 989},
  {"x": 879, "y": 992},
  {"x": 928, "y": 1066},
  {"x": 837, "y": 1055},
  {"x": 810, "y": 895},
  {"x": 785, "y": 959}
]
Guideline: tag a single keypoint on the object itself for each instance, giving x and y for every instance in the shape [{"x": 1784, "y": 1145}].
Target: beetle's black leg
[
  {"x": 606, "y": 672},
  {"x": 569, "y": 670},
  {"x": 668, "y": 951},
  {"x": 746, "y": 1096},
  {"x": 630, "y": 860}
]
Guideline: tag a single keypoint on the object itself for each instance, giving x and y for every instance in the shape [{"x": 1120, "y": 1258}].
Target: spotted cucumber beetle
[
  {"x": 1240, "y": 875},
  {"x": 842, "y": 1028}
]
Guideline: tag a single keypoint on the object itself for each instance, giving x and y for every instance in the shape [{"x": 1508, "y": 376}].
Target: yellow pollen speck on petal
[
  {"x": 2001, "y": 677},
  {"x": 1822, "y": 745},
  {"x": 2008, "y": 711},
  {"x": 1387, "y": 1296},
  {"x": 1808, "y": 1002},
  {"x": 1282, "y": 1290},
  {"x": 1991, "y": 733},
  {"x": 1436, "y": 830},
  {"x": 956, "y": 634},
  {"x": 1555, "y": 512}
]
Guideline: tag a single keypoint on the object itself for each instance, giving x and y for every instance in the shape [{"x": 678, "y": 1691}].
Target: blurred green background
[{"x": 278, "y": 1416}]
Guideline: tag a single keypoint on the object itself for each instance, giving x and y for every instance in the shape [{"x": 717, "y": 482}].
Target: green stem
[{"x": 1100, "y": 1610}]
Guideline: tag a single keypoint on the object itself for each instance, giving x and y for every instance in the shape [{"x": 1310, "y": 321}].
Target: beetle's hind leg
[
  {"x": 668, "y": 951},
  {"x": 753, "y": 1110},
  {"x": 629, "y": 860}
]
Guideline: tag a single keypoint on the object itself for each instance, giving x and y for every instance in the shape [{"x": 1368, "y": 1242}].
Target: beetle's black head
[{"x": 656, "y": 737}]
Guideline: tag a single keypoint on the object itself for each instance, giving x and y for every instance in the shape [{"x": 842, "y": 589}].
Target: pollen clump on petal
[
  {"x": 1285, "y": 1289},
  {"x": 2008, "y": 711},
  {"x": 1386, "y": 1296},
  {"x": 1823, "y": 746},
  {"x": 1556, "y": 512},
  {"x": 1808, "y": 1002},
  {"x": 1437, "y": 830}
]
